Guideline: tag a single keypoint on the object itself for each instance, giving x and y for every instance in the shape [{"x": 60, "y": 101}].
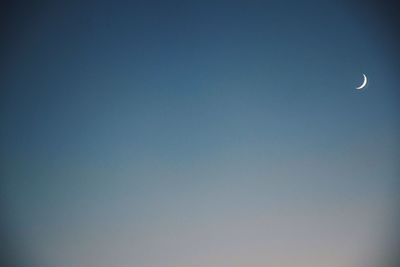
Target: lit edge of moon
[{"x": 362, "y": 86}]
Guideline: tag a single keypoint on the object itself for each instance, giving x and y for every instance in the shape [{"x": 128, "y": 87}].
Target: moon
[{"x": 364, "y": 83}]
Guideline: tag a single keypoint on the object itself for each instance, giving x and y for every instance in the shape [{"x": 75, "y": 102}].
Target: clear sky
[{"x": 199, "y": 133}]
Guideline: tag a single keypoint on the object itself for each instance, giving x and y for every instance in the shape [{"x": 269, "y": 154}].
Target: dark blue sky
[{"x": 195, "y": 133}]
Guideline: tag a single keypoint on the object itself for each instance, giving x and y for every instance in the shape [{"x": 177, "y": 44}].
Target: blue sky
[{"x": 200, "y": 134}]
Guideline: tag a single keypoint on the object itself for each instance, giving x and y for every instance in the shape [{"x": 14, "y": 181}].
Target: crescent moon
[{"x": 364, "y": 83}]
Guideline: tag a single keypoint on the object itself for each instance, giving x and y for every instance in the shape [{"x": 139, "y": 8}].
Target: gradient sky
[{"x": 199, "y": 133}]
